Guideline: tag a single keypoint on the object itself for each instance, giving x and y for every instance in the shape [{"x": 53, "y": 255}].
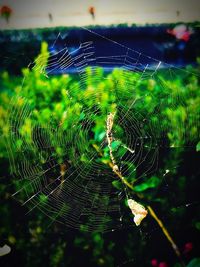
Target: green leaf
[
  {"x": 131, "y": 171},
  {"x": 99, "y": 135},
  {"x": 198, "y": 146},
  {"x": 115, "y": 144},
  {"x": 117, "y": 184},
  {"x": 97, "y": 238},
  {"x": 121, "y": 151},
  {"x": 43, "y": 198},
  {"x": 82, "y": 116},
  {"x": 197, "y": 225},
  {"x": 150, "y": 183},
  {"x": 194, "y": 263}
]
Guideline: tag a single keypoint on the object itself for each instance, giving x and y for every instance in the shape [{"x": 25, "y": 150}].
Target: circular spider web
[{"x": 64, "y": 167}]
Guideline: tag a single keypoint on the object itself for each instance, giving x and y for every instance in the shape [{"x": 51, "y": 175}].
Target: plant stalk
[{"x": 150, "y": 209}]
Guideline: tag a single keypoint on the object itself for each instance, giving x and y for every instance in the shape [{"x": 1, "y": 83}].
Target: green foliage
[
  {"x": 198, "y": 146},
  {"x": 194, "y": 263},
  {"x": 117, "y": 184},
  {"x": 149, "y": 183},
  {"x": 59, "y": 102}
]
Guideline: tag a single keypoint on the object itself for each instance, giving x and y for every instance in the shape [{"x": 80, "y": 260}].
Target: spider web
[{"x": 59, "y": 165}]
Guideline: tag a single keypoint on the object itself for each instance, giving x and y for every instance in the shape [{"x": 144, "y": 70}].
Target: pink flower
[
  {"x": 154, "y": 262},
  {"x": 181, "y": 32},
  {"x": 163, "y": 264},
  {"x": 188, "y": 247}
]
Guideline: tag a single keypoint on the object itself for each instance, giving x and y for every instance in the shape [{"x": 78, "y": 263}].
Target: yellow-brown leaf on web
[
  {"x": 109, "y": 125},
  {"x": 110, "y": 120},
  {"x": 138, "y": 211}
]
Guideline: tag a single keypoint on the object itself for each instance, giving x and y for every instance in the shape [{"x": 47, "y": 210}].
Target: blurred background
[
  {"x": 167, "y": 35},
  {"x": 51, "y": 13}
]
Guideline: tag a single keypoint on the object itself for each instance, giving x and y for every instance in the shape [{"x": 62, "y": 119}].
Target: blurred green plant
[{"x": 173, "y": 103}]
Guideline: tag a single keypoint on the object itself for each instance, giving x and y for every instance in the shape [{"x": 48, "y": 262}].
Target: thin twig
[
  {"x": 166, "y": 233},
  {"x": 113, "y": 165}
]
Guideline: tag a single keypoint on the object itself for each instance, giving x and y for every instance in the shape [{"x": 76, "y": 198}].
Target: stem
[
  {"x": 150, "y": 209},
  {"x": 166, "y": 233}
]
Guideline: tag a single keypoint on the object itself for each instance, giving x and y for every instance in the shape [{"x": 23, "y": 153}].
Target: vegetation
[{"x": 167, "y": 107}]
